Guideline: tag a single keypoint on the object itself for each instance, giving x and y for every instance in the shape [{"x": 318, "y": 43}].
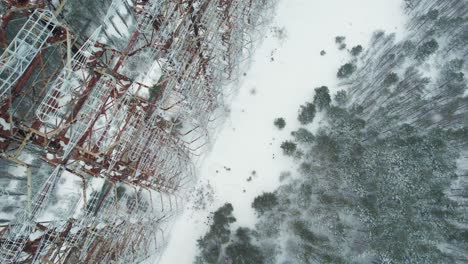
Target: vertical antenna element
[
  {"x": 53, "y": 106},
  {"x": 24, "y": 48}
]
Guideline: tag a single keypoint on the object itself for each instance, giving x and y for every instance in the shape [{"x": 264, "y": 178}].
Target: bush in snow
[
  {"x": 341, "y": 98},
  {"x": 220, "y": 246},
  {"x": 264, "y": 202},
  {"x": 241, "y": 250},
  {"x": 355, "y": 51},
  {"x": 288, "y": 147},
  {"x": 391, "y": 78},
  {"x": 306, "y": 113},
  {"x": 339, "y": 40},
  {"x": 346, "y": 70},
  {"x": 279, "y": 123}
]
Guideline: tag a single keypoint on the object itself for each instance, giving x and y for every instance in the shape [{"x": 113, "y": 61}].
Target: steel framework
[
  {"x": 123, "y": 112},
  {"x": 25, "y": 47},
  {"x": 69, "y": 81}
]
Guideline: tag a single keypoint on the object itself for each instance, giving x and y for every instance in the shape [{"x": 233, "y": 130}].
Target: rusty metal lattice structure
[
  {"x": 73, "y": 76},
  {"x": 25, "y": 47},
  {"x": 104, "y": 107}
]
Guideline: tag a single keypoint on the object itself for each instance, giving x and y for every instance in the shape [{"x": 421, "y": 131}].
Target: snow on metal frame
[
  {"x": 194, "y": 134},
  {"x": 155, "y": 147},
  {"x": 151, "y": 228},
  {"x": 162, "y": 156},
  {"x": 115, "y": 124},
  {"x": 134, "y": 218},
  {"x": 200, "y": 98},
  {"x": 53, "y": 106},
  {"x": 188, "y": 96},
  {"x": 148, "y": 16},
  {"x": 179, "y": 59},
  {"x": 236, "y": 41},
  {"x": 49, "y": 238},
  {"x": 197, "y": 93},
  {"x": 183, "y": 82},
  {"x": 86, "y": 219},
  {"x": 139, "y": 144},
  {"x": 119, "y": 23},
  {"x": 257, "y": 17},
  {"x": 15, "y": 239},
  {"x": 125, "y": 138},
  {"x": 24, "y": 48},
  {"x": 90, "y": 110},
  {"x": 171, "y": 21},
  {"x": 167, "y": 19}
]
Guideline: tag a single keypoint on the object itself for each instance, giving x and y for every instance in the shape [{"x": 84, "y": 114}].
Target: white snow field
[{"x": 273, "y": 88}]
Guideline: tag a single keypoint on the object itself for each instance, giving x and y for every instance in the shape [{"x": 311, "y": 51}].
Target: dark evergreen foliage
[
  {"x": 242, "y": 251},
  {"x": 322, "y": 98},
  {"x": 264, "y": 202},
  {"x": 383, "y": 180},
  {"x": 288, "y": 147},
  {"x": 306, "y": 113},
  {"x": 394, "y": 183},
  {"x": 340, "y": 41},
  {"x": 220, "y": 246},
  {"x": 211, "y": 244},
  {"x": 378, "y": 179},
  {"x": 346, "y": 70},
  {"x": 356, "y": 50},
  {"x": 303, "y": 135},
  {"x": 391, "y": 79},
  {"x": 426, "y": 49},
  {"x": 341, "y": 98}
]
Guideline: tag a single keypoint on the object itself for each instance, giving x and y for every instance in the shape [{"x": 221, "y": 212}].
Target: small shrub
[
  {"x": 427, "y": 49},
  {"x": 279, "y": 123},
  {"x": 340, "y": 39},
  {"x": 341, "y": 98},
  {"x": 391, "y": 78},
  {"x": 288, "y": 147},
  {"x": 355, "y": 51},
  {"x": 346, "y": 70}
]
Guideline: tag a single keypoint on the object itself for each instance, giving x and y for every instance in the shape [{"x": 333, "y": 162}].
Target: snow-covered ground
[{"x": 283, "y": 76}]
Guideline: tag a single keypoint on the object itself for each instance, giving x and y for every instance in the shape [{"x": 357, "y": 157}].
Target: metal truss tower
[{"x": 115, "y": 111}]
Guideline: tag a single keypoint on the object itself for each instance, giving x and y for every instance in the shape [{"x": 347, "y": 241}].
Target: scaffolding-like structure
[
  {"x": 24, "y": 48},
  {"x": 71, "y": 79},
  {"x": 115, "y": 111}
]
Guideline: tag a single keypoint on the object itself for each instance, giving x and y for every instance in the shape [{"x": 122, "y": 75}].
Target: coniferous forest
[{"x": 384, "y": 179}]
